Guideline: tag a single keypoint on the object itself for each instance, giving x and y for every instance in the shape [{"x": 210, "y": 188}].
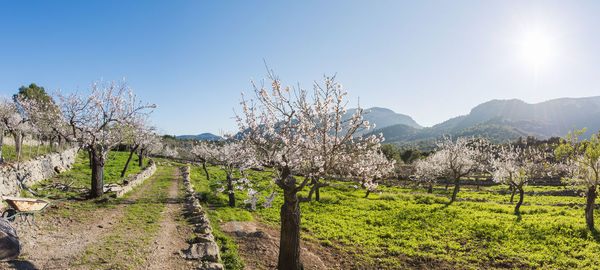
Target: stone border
[
  {"x": 34, "y": 170},
  {"x": 203, "y": 247},
  {"x": 134, "y": 180}
]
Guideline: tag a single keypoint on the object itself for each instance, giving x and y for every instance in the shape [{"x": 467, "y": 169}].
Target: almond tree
[
  {"x": 234, "y": 156},
  {"x": 140, "y": 136},
  {"x": 426, "y": 172},
  {"x": 204, "y": 152},
  {"x": 40, "y": 110},
  {"x": 295, "y": 133},
  {"x": 580, "y": 161},
  {"x": 456, "y": 160},
  {"x": 100, "y": 120},
  {"x": 171, "y": 152},
  {"x": 517, "y": 167},
  {"x": 7, "y": 113},
  {"x": 150, "y": 143},
  {"x": 368, "y": 167},
  {"x": 14, "y": 122}
]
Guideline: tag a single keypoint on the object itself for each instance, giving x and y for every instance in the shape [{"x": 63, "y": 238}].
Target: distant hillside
[
  {"x": 383, "y": 117},
  {"x": 201, "y": 137},
  {"x": 503, "y": 120}
]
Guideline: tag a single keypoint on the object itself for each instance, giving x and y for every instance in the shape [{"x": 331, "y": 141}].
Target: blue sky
[{"x": 432, "y": 60}]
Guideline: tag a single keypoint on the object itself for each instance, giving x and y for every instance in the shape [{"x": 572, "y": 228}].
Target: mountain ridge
[{"x": 507, "y": 119}]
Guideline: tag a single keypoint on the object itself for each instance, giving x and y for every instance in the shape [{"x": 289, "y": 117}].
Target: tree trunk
[
  {"x": 205, "y": 170},
  {"x": 289, "y": 242},
  {"x": 30, "y": 149},
  {"x": 230, "y": 190},
  {"x": 447, "y": 184},
  {"x": 128, "y": 160},
  {"x": 368, "y": 192},
  {"x": 317, "y": 193},
  {"x": 521, "y": 195},
  {"x": 141, "y": 158},
  {"x": 97, "y": 173},
  {"x": 430, "y": 188},
  {"x": 37, "y": 151},
  {"x": 91, "y": 159},
  {"x": 512, "y": 193},
  {"x": 589, "y": 207},
  {"x": 315, "y": 183},
  {"x": 18, "y": 144},
  {"x": 456, "y": 189}
]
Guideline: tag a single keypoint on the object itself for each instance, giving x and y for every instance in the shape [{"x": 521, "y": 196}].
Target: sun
[{"x": 537, "y": 48}]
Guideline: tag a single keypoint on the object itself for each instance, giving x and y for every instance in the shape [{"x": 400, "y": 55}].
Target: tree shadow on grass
[
  {"x": 595, "y": 234},
  {"x": 519, "y": 217},
  {"x": 22, "y": 265},
  {"x": 442, "y": 207}
]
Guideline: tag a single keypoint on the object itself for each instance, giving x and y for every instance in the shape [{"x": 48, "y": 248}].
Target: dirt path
[
  {"x": 56, "y": 240},
  {"x": 172, "y": 236}
]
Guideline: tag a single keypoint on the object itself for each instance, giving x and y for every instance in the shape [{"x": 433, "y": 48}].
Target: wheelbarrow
[
  {"x": 10, "y": 247},
  {"x": 21, "y": 206}
]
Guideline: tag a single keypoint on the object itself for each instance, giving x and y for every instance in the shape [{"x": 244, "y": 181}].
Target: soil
[
  {"x": 172, "y": 236},
  {"x": 259, "y": 248},
  {"x": 56, "y": 241}
]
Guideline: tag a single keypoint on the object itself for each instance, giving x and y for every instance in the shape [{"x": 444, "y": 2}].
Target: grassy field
[
  {"x": 79, "y": 175},
  {"x": 27, "y": 152},
  {"x": 229, "y": 255},
  {"x": 405, "y": 227},
  {"x": 127, "y": 246}
]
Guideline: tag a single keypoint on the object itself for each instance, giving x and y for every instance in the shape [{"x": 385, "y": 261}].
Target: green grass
[
  {"x": 405, "y": 227},
  {"x": 127, "y": 246},
  {"x": 27, "y": 152},
  {"x": 80, "y": 174},
  {"x": 222, "y": 213}
]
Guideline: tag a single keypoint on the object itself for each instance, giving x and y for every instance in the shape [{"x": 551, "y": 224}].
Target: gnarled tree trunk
[
  {"x": 512, "y": 193},
  {"x": 520, "y": 202},
  {"x": 205, "y": 170},
  {"x": 289, "y": 243},
  {"x": 456, "y": 189},
  {"x": 18, "y": 143},
  {"x": 141, "y": 158},
  {"x": 129, "y": 160},
  {"x": 316, "y": 188},
  {"x": 589, "y": 207},
  {"x": 97, "y": 163},
  {"x": 230, "y": 190},
  {"x": 91, "y": 159}
]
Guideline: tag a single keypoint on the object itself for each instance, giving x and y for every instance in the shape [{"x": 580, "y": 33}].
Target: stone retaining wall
[
  {"x": 134, "y": 180},
  {"x": 35, "y": 170},
  {"x": 203, "y": 247}
]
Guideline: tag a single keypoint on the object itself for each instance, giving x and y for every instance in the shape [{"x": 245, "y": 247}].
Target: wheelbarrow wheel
[{"x": 9, "y": 215}]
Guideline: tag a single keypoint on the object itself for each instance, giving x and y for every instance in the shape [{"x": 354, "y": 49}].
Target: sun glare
[{"x": 538, "y": 48}]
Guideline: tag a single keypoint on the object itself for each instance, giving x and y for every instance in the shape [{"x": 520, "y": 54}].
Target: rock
[
  {"x": 203, "y": 229},
  {"x": 10, "y": 247},
  {"x": 203, "y": 239},
  {"x": 59, "y": 169},
  {"x": 259, "y": 234},
  {"x": 211, "y": 266},
  {"x": 203, "y": 251},
  {"x": 198, "y": 219}
]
